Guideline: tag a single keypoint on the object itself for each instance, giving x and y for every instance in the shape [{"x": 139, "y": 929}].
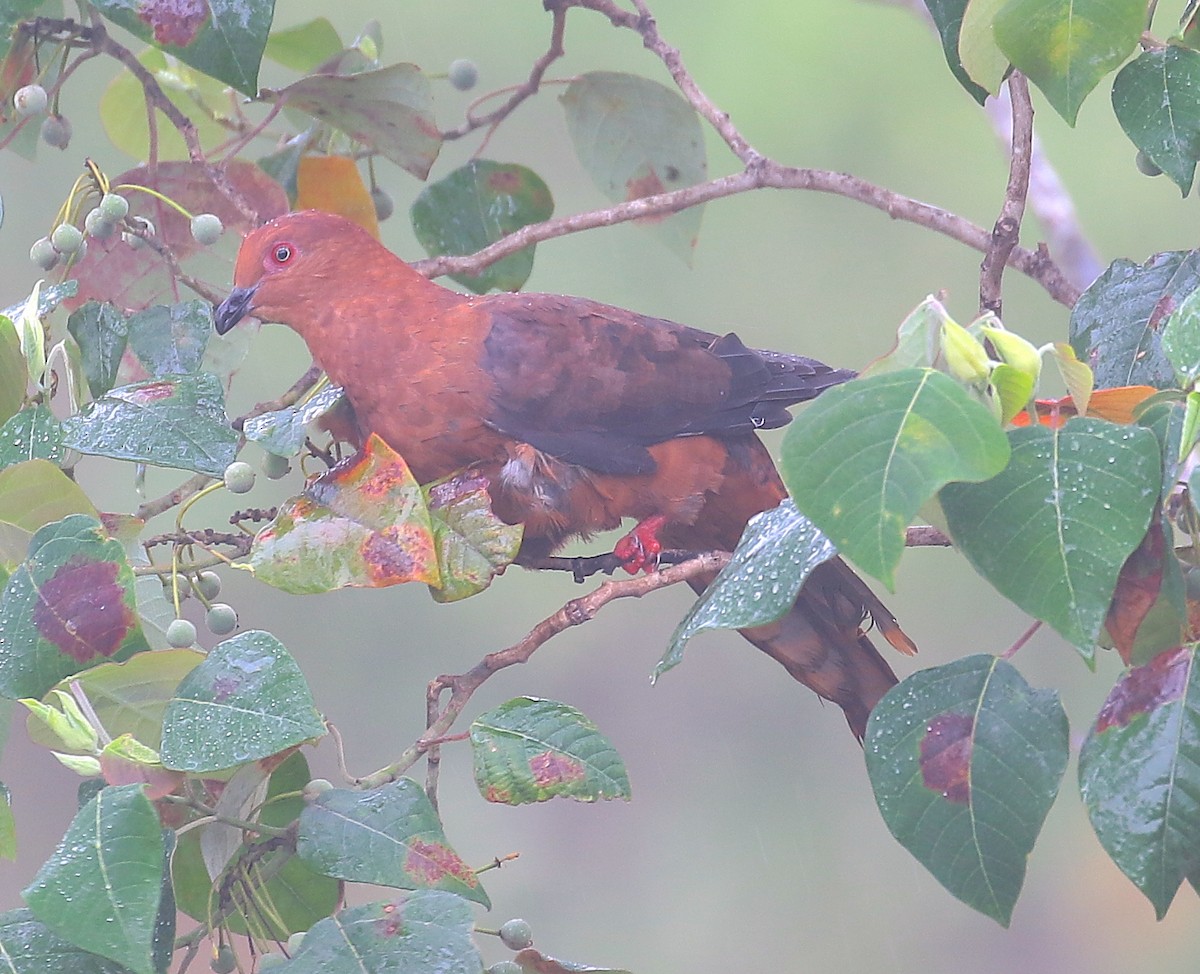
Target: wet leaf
[
  {"x": 32, "y": 434},
  {"x": 1138, "y": 588},
  {"x": 389, "y": 835},
  {"x": 283, "y": 431},
  {"x": 471, "y": 543},
  {"x": 532, "y": 750},
  {"x": 534, "y": 960},
  {"x": 171, "y": 339},
  {"x": 101, "y": 332},
  {"x": 1154, "y": 98},
  {"x": 31, "y": 947},
  {"x": 32, "y": 494},
  {"x": 50, "y": 296}
]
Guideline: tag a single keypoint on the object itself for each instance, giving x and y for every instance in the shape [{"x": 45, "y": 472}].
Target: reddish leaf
[
  {"x": 80, "y": 609},
  {"x": 534, "y": 960},
  {"x": 174, "y": 22},
  {"x": 1146, "y": 689},
  {"x": 431, "y": 862},
  {"x": 1116, "y": 405},
  {"x": 946, "y": 756},
  {"x": 1137, "y": 590}
]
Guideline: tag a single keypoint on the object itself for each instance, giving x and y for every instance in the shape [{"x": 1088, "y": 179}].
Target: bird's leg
[{"x": 640, "y": 548}]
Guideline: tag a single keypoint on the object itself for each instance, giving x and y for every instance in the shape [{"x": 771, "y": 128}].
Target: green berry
[
  {"x": 275, "y": 467},
  {"x": 207, "y": 228},
  {"x": 224, "y": 960},
  {"x": 136, "y": 241},
  {"x": 98, "y": 225},
  {"x": 505, "y": 967},
  {"x": 30, "y": 100},
  {"x": 239, "y": 477},
  {"x": 316, "y": 788},
  {"x": 114, "y": 206},
  {"x": 66, "y": 238},
  {"x": 268, "y": 961},
  {"x": 221, "y": 619},
  {"x": 56, "y": 131},
  {"x": 384, "y": 207},
  {"x": 181, "y": 634},
  {"x": 43, "y": 254},
  {"x": 209, "y": 584},
  {"x": 463, "y": 74},
  {"x": 1146, "y": 165},
  {"x": 294, "y": 942},
  {"x": 516, "y": 934}
]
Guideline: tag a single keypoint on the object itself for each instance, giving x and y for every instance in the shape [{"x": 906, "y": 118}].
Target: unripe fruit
[
  {"x": 505, "y": 967},
  {"x": 30, "y": 100},
  {"x": 316, "y": 788},
  {"x": 239, "y": 477},
  {"x": 98, "y": 225},
  {"x": 66, "y": 238},
  {"x": 463, "y": 74},
  {"x": 134, "y": 240},
  {"x": 1146, "y": 165},
  {"x": 114, "y": 206},
  {"x": 56, "y": 131},
  {"x": 384, "y": 207},
  {"x": 221, "y": 619},
  {"x": 43, "y": 254},
  {"x": 275, "y": 466},
  {"x": 516, "y": 934},
  {"x": 294, "y": 942},
  {"x": 206, "y": 228},
  {"x": 181, "y": 634},
  {"x": 209, "y": 584},
  {"x": 224, "y": 961}
]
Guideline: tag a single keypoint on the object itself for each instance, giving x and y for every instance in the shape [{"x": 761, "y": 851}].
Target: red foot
[{"x": 639, "y": 549}]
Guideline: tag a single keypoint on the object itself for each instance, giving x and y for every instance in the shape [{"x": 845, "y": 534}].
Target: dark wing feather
[{"x": 595, "y": 385}]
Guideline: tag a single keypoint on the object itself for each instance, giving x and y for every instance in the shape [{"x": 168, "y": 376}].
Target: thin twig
[{"x": 1022, "y": 640}]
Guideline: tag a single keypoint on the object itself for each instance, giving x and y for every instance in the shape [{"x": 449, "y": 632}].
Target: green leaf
[
  {"x": 68, "y": 607},
  {"x": 8, "y": 827},
  {"x": 13, "y": 375},
  {"x": 101, "y": 332},
  {"x": 101, "y": 888},
  {"x": 1154, "y": 98},
  {"x": 1139, "y": 773},
  {"x": 50, "y": 296},
  {"x": 776, "y": 554},
  {"x": 222, "y": 38},
  {"x": 1181, "y": 338},
  {"x": 1116, "y": 323},
  {"x": 1066, "y": 46},
  {"x": 982, "y": 58},
  {"x": 863, "y": 458},
  {"x": 174, "y": 422},
  {"x": 1052, "y": 531},
  {"x": 918, "y": 340},
  {"x": 30, "y": 947},
  {"x": 948, "y": 17},
  {"x": 389, "y": 110},
  {"x": 246, "y": 701},
  {"x": 532, "y": 750},
  {"x": 427, "y": 931},
  {"x": 475, "y": 206},
  {"x": 304, "y": 46},
  {"x": 11, "y": 14},
  {"x": 471, "y": 543},
  {"x": 638, "y": 138},
  {"x": 34, "y": 493},
  {"x": 171, "y": 339},
  {"x": 363, "y": 523},
  {"x": 283, "y": 431},
  {"x": 32, "y": 434},
  {"x": 966, "y": 760},
  {"x": 390, "y": 836}
]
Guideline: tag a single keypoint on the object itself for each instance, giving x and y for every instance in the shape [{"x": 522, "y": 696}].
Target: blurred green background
[{"x": 752, "y": 842}]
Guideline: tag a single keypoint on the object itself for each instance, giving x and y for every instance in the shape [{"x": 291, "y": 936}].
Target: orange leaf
[
  {"x": 333, "y": 184},
  {"x": 1137, "y": 590},
  {"x": 1116, "y": 405}
]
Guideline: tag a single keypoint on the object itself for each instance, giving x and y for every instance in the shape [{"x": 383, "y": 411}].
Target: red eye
[{"x": 281, "y": 253}]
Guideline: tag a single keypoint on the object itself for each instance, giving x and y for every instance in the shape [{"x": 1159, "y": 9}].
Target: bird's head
[{"x": 287, "y": 267}]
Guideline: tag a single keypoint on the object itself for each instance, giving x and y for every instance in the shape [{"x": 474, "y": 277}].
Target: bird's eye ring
[{"x": 282, "y": 253}]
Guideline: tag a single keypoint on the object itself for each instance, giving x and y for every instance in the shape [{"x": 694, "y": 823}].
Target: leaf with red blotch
[
  {"x": 68, "y": 607},
  {"x": 966, "y": 760},
  {"x": 532, "y": 750},
  {"x": 134, "y": 279},
  {"x": 1139, "y": 774},
  {"x": 1138, "y": 588},
  {"x": 364, "y": 524},
  {"x": 534, "y": 960}
]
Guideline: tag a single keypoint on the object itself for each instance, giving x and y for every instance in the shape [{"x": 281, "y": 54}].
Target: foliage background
[{"x": 752, "y": 840}]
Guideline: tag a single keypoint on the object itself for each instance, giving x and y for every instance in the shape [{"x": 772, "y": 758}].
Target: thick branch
[{"x": 1007, "y": 230}]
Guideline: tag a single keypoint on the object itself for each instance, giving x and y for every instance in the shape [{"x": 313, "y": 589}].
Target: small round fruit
[
  {"x": 384, "y": 207},
  {"x": 505, "y": 967},
  {"x": 221, "y": 619},
  {"x": 209, "y": 584},
  {"x": 315, "y": 788},
  {"x": 30, "y": 100},
  {"x": 98, "y": 225},
  {"x": 135, "y": 240},
  {"x": 275, "y": 466},
  {"x": 224, "y": 960},
  {"x": 43, "y": 254},
  {"x": 268, "y": 961},
  {"x": 516, "y": 934},
  {"x": 294, "y": 942},
  {"x": 1146, "y": 165},
  {"x": 114, "y": 206},
  {"x": 67, "y": 238},
  {"x": 463, "y": 74},
  {"x": 239, "y": 477},
  {"x": 181, "y": 634},
  {"x": 206, "y": 228},
  {"x": 56, "y": 131}
]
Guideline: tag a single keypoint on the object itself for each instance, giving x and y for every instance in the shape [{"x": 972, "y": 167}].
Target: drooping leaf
[
  {"x": 1139, "y": 773},
  {"x": 101, "y": 888},
  {"x": 1053, "y": 529},
  {"x": 981, "y": 56},
  {"x": 364, "y": 523},
  {"x": 177, "y": 421},
  {"x": 101, "y": 332},
  {"x": 69, "y": 606},
  {"x": 1117, "y": 321},
  {"x": 390, "y": 836},
  {"x": 948, "y": 18},
  {"x": 304, "y": 46},
  {"x": 862, "y": 459},
  {"x": 32, "y": 434},
  {"x": 1066, "y": 46},
  {"x": 246, "y": 701},
  {"x": 283, "y": 431},
  {"x": 1138, "y": 589},
  {"x": 1154, "y": 98},
  {"x": 638, "y": 138},
  {"x": 965, "y": 760},
  {"x": 532, "y": 750},
  {"x": 777, "y": 552},
  {"x": 171, "y": 339},
  {"x": 31, "y": 947},
  {"x": 222, "y": 38},
  {"x": 475, "y": 206}
]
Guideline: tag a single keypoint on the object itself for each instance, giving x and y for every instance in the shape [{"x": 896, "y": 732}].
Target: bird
[{"x": 580, "y": 414}]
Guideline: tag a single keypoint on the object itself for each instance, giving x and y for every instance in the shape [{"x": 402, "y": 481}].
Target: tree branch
[{"x": 1007, "y": 229}]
